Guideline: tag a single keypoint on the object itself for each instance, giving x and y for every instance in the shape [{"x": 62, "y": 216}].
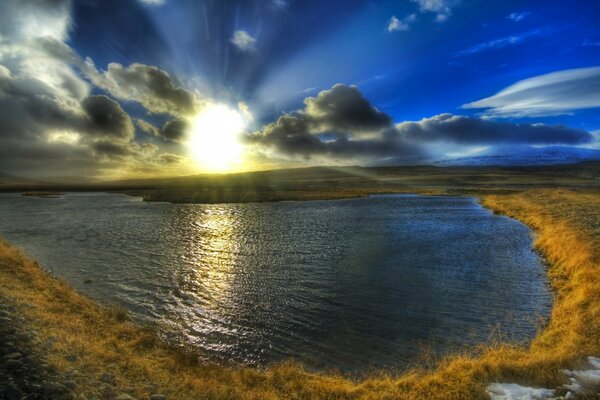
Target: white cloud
[
  {"x": 556, "y": 93},
  {"x": 26, "y": 20},
  {"x": 518, "y": 16},
  {"x": 243, "y": 41},
  {"x": 148, "y": 85},
  {"x": 395, "y": 25},
  {"x": 153, "y": 2},
  {"x": 442, "y": 8},
  {"x": 279, "y": 4}
]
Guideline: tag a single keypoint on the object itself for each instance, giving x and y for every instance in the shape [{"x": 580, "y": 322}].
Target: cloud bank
[
  {"x": 60, "y": 112},
  {"x": 342, "y": 125},
  {"x": 459, "y": 129},
  {"x": 51, "y": 123}
]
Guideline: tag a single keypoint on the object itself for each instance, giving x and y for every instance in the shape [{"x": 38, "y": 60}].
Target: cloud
[
  {"x": 45, "y": 130},
  {"x": 290, "y": 137},
  {"x": 243, "y": 41},
  {"x": 395, "y": 25},
  {"x": 51, "y": 124},
  {"x": 172, "y": 131},
  {"x": 340, "y": 125},
  {"x": 343, "y": 108},
  {"x": 500, "y": 43},
  {"x": 150, "y": 86},
  {"x": 442, "y": 8},
  {"x": 25, "y": 20},
  {"x": 463, "y": 130},
  {"x": 518, "y": 16},
  {"x": 557, "y": 93},
  {"x": 147, "y": 127},
  {"x": 175, "y": 130},
  {"x": 107, "y": 118},
  {"x": 153, "y": 2}
]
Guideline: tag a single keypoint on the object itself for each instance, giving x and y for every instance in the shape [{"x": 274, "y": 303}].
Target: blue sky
[
  {"x": 112, "y": 88},
  {"x": 430, "y": 67}
]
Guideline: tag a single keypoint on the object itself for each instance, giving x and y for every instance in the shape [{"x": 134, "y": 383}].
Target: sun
[{"x": 215, "y": 138}]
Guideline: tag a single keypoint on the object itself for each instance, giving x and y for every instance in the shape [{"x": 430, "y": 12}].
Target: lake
[{"x": 342, "y": 284}]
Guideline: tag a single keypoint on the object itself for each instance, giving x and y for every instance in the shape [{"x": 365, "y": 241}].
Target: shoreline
[{"x": 456, "y": 377}]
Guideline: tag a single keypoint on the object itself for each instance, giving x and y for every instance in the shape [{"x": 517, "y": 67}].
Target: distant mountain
[
  {"x": 11, "y": 180},
  {"x": 6, "y": 179},
  {"x": 525, "y": 156}
]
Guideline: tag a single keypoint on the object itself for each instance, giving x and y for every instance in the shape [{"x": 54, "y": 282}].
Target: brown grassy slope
[
  {"x": 568, "y": 224},
  {"x": 334, "y": 183},
  {"x": 314, "y": 183}
]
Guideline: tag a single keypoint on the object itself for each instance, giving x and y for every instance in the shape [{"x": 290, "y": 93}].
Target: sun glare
[{"x": 214, "y": 138}]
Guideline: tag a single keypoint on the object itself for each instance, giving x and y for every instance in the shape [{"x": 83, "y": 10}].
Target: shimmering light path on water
[{"x": 348, "y": 284}]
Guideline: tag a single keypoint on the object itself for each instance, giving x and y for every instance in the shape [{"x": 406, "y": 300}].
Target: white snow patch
[
  {"x": 581, "y": 382},
  {"x": 512, "y": 391},
  {"x": 585, "y": 381}
]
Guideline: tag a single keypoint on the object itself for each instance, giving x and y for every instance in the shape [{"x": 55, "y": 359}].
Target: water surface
[{"x": 345, "y": 284}]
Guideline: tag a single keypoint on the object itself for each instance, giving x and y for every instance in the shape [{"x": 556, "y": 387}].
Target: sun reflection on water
[
  {"x": 210, "y": 254},
  {"x": 213, "y": 252}
]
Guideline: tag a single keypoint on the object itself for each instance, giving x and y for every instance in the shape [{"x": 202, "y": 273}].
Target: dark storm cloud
[
  {"x": 343, "y": 108},
  {"x": 45, "y": 129},
  {"x": 111, "y": 149},
  {"x": 466, "y": 130},
  {"x": 29, "y": 107},
  {"x": 338, "y": 123},
  {"x": 294, "y": 135},
  {"x": 49, "y": 122},
  {"x": 107, "y": 118},
  {"x": 341, "y": 123},
  {"x": 174, "y": 131}
]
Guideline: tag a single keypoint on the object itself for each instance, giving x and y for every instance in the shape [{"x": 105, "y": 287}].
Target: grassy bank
[{"x": 95, "y": 340}]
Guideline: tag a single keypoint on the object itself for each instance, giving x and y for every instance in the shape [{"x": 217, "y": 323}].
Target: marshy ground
[{"x": 67, "y": 331}]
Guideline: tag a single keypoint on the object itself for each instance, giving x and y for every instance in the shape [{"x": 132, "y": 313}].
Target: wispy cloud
[
  {"x": 395, "y": 24},
  {"x": 590, "y": 43},
  {"x": 307, "y": 90},
  {"x": 556, "y": 93},
  {"x": 518, "y": 16},
  {"x": 153, "y": 2},
  {"x": 280, "y": 4},
  {"x": 500, "y": 43},
  {"x": 442, "y": 8}
]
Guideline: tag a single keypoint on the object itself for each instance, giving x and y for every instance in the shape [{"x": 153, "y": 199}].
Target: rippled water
[{"x": 348, "y": 284}]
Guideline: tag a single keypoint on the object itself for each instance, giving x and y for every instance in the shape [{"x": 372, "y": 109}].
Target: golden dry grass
[{"x": 103, "y": 340}]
